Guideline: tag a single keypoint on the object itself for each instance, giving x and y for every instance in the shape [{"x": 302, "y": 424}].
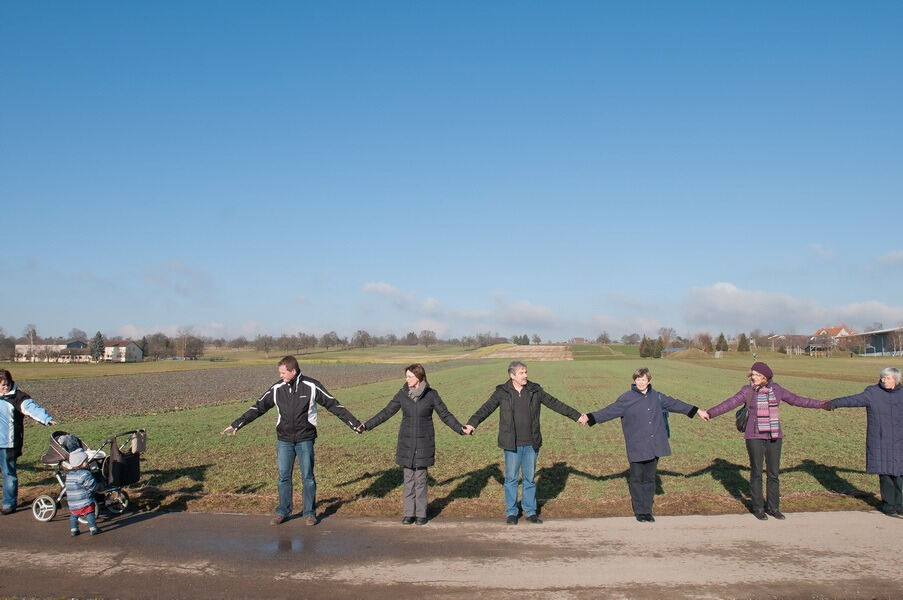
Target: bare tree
[
  {"x": 703, "y": 341},
  {"x": 329, "y": 340},
  {"x": 362, "y": 339},
  {"x": 667, "y": 334},
  {"x": 77, "y": 334},
  {"x": 536, "y": 339},
  {"x": 633, "y": 338},
  {"x": 428, "y": 337},
  {"x": 603, "y": 338}
]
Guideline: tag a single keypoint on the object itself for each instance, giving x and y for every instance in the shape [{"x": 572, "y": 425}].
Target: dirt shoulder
[{"x": 180, "y": 555}]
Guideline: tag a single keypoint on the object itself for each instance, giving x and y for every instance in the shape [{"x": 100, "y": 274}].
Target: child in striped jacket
[{"x": 80, "y": 487}]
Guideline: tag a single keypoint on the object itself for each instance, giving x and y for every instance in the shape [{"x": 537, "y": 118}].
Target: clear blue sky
[{"x": 519, "y": 167}]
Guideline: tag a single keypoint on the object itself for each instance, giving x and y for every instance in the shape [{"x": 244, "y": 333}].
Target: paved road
[{"x": 194, "y": 555}]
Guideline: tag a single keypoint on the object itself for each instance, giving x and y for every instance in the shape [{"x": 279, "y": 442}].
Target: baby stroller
[{"x": 120, "y": 467}]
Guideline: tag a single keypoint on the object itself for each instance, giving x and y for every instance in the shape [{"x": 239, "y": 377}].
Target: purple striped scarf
[{"x": 767, "y": 420}]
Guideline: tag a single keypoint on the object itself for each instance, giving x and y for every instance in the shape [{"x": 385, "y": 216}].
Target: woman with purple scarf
[{"x": 763, "y": 434}]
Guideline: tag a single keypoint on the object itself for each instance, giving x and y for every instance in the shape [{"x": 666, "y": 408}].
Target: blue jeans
[
  {"x": 521, "y": 462},
  {"x": 73, "y": 521},
  {"x": 285, "y": 461},
  {"x": 10, "y": 479}
]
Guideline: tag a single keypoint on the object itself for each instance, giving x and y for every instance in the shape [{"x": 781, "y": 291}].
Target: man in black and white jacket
[{"x": 296, "y": 398}]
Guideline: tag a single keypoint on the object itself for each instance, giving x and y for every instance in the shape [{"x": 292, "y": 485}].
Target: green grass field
[{"x": 581, "y": 471}]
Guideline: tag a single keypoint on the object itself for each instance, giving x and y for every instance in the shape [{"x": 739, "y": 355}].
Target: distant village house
[{"x": 77, "y": 352}]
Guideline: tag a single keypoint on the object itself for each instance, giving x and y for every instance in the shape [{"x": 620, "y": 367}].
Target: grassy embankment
[{"x": 581, "y": 471}]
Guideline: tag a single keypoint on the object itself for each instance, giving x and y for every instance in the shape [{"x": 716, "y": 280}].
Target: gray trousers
[{"x": 415, "y": 496}]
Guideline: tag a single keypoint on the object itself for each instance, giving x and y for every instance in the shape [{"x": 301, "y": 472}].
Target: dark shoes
[
  {"x": 534, "y": 518},
  {"x": 511, "y": 520},
  {"x": 420, "y": 521},
  {"x": 890, "y": 512},
  {"x": 7, "y": 511},
  {"x": 277, "y": 520},
  {"x": 645, "y": 518},
  {"x": 776, "y": 514},
  {"x": 900, "y": 511},
  {"x": 761, "y": 516},
  {"x": 407, "y": 521}
]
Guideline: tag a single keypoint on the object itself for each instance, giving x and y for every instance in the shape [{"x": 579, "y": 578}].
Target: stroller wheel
[
  {"x": 44, "y": 508},
  {"x": 117, "y": 501}
]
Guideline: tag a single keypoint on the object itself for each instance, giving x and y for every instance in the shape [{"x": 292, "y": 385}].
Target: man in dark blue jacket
[{"x": 295, "y": 398}]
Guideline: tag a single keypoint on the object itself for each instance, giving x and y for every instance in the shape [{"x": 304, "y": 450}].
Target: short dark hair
[
  {"x": 7, "y": 377},
  {"x": 418, "y": 371},
  {"x": 640, "y": 372},
  {"x": 290, "y": 363}
]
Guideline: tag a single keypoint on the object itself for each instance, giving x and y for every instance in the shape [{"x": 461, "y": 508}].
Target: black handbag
[
  {"x": 741, "y": 417},
  {"x": 742, "y": 414}
]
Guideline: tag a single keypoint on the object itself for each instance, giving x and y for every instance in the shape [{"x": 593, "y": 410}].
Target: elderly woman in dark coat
[
  {"x": 764, "y": 434},
  {"x": 416, "y": 437},
  {"x": 884, "y": 435},
  {"x": 642, "y": 420}
]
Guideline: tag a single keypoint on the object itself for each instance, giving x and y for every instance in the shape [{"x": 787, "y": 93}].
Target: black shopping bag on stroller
[{"x": 123, "y": 465}]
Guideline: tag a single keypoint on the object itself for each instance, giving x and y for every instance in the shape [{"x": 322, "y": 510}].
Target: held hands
[
  {"x": 467, "y": 429},
  {"x": 704, "y": 415},
  {"x": 583, "y": 420},
  {"x": 360, "y": 428},
  {"x": 229, "y": 430}
]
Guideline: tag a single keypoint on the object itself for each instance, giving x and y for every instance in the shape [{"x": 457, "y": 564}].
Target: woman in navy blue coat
[
  {"x": 643, "y": 423},
  {"x": 884, "y": 435}
]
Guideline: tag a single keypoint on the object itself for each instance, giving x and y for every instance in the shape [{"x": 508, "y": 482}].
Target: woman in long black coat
[
  {"x": 884, "y": 435},
  {"x": 416, "y": 437}
]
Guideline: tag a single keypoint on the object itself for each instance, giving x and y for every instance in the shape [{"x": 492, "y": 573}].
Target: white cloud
[
  {"x": 822, "y": 251},
  {"x": 402, "y": 300},
  {"x": 178, "y": 277},
  {"x": 893, "y": 259},
  {"x": 725, "y": 307},
  {"x": 524, "y": 313}
]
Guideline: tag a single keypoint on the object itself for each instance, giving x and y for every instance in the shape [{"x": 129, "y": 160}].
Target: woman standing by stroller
[
  {"x": 764, "y": 434},
  {"x": 14, "y": 405},
  {"x": 416, "y": 450},
  {"x": 884, "y": 435}
]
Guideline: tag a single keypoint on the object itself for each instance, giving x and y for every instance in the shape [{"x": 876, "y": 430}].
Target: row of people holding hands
[{"x": 644, "y": 419}]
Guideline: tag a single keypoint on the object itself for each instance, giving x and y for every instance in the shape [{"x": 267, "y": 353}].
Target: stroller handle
[{"x": 113, "y": 437}]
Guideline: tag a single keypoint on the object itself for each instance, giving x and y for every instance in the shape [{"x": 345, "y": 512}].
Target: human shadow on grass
[
  {"x": 154, "y": 497},
  {"x": 729, "y": 475},
  {"x": 659, "y": 488},
  {"x": 38, "y": 468},
  {"x": 829, "y": 477},
  {"x": 471, "y": 485},
  {"x": 381, "y": 484}
]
